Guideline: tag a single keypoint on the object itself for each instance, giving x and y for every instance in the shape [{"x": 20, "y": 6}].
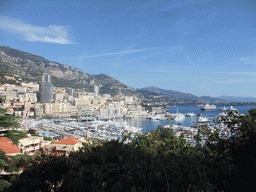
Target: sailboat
[{"x": 179, "y": 116}]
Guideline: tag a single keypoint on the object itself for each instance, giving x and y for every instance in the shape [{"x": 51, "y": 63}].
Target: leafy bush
[
  {"x": 15, "y": 135},
  {"x": 4, "y": 184},
  {"x": 47, "y": 139},
  {"x": 35, "y": 134}
]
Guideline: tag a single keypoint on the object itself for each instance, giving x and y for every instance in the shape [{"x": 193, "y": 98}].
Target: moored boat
[{"x": 207, "y": 107}]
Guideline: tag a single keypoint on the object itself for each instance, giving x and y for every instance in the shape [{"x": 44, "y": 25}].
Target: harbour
[{"x": 112, "y": 129}]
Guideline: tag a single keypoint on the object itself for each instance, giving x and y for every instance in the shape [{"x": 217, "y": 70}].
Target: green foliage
[
  {"x": 44, "y": 173},
  {"x": 214, "y": 136},
  {"x": 2, "y": 164},
  {"x": 67, "y": 83},
  {"x": 6, "y": 120},
  {"x": 47, "y": 139},
  {"x": 4, "y": 184},
  {"x": 20, "y": 157},
  {"x": 3, "y": 160},
  {"x": 15, "y": 135},
  {"x": 35, "y": 135},
  {"x": 3, "y": 155}
]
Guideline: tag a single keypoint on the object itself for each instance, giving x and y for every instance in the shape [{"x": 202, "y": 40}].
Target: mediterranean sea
[{"x": 151, "y": 125}]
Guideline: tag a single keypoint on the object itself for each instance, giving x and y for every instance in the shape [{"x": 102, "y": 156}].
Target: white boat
[
  {"x": 202, "y": 120},
  {"x": 208, "y": 107},
  {"x": 190, "y": 114},
  {"x": 179, "y": 117},
  {"x": 159, "y": 117},
  {"x": 227, "y": 110}
]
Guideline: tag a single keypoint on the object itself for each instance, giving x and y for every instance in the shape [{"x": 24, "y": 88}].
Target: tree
[
  {"x": 3, "y": 159},
  {"x": 45, "y": 173},
  {"x": 15, "y": 135},
  {"x": 4, "y": 184},
  {"x": 5, "y": 120}
]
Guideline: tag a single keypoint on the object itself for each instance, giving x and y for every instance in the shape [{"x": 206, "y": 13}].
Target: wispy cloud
[
  {"x": 248, "y": 59},
  {"x": 235, "y": 72},
  {"x": 230, "y": 81},
  {"x": 244, "y": 59},
  {"x": 189, "y": 60},
  {"x": 33, "y": 33},
  {"x": 115, "y": 53},
  {"x": 152, "y": 53}
]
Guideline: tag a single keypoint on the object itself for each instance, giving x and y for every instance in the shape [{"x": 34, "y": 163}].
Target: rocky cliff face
[{"x": 27, "y": 66}]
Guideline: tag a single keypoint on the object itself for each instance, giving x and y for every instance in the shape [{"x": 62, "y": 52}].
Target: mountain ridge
[
  {"x": 27, "y": 67},
  {"x": 30, "y": 67},
  {"x": 178, "y": 94}
]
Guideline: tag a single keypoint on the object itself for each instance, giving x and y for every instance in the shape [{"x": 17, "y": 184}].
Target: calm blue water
[
  {"x": 151, "y": 125},
  {"x": 47, "y": 134},
  {"x": 42, "y": 134}
]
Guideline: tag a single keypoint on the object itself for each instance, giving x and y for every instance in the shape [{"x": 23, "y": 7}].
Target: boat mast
[{"x": 87, "y": 127}]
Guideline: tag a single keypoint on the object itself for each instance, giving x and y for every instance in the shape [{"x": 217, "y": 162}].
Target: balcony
[{"x": 32, "y": 148}]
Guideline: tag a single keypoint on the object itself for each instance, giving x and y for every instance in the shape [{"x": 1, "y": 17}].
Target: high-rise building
[
  {"x": 96, "y": 90},
  {"x": 46, "y": 89},
  {"x": 46, "y": 78}
]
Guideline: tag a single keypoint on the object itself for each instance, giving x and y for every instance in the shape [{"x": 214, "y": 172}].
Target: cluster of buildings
[
  {"x": 31, "y": 144},
  {"x": 43, "y": 99}
]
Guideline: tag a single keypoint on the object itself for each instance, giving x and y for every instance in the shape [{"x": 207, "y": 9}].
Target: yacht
[
  {"x": 207, "y": 107},
  {"x": 179, "y": 116},
  {"x": 227, "y": 110},
  {"x": 202, "y": 120},
  {"x": 190, "y": 114}
]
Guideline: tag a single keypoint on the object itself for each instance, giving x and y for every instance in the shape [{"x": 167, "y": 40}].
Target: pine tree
[{"x": 6, "y": 120}]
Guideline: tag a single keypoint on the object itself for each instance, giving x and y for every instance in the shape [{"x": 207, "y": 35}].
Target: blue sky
[{"x": 195, "y": 46}]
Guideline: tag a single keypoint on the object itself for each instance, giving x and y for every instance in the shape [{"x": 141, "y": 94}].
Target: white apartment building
[
  {"x": 65, "y": 146},
  {"x": 128, "y": 100},
  {"x": 39, "y": 110},
  {"x": 11, "y": 95},
  {"x": 58, "y": 96},
  {"x": 31, "y": 97},
  {"x": 31, "y": 144},
  {"x": 20, "y": 89},
  {"x": 106, "y": 96},
  {"x": 90, "y": 94}
]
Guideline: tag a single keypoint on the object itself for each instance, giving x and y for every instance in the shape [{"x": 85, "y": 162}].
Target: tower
[
  {"x": 46, "y": 89},
  {"x": 96, "y": 90},
  {"x": 46, "y": 78}
]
